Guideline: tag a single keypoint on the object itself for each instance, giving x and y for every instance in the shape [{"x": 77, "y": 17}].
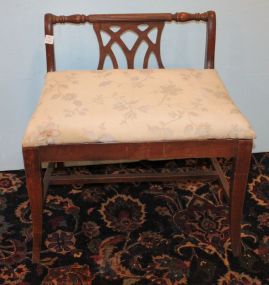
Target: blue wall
[{"x": 242, "y": 55}]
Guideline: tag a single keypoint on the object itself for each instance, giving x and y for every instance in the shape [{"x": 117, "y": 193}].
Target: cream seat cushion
[{"x": 134, "y": 106}]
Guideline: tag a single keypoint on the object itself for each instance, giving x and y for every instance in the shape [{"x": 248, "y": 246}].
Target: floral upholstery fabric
[{"x": 134, "y": 106}]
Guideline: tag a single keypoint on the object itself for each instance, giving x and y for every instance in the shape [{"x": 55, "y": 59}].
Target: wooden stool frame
[{"x": 238, "y": 149}]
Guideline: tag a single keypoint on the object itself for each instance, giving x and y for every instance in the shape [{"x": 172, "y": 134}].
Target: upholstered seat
[{"x": 134, "y": 106}]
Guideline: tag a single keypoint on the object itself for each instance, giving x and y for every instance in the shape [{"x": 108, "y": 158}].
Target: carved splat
[{"x": 116, "y": 37}]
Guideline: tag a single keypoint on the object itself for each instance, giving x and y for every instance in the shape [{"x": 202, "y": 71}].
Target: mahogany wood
[
  {"x": 240, "y": 150},
  {"x": 33, "y": 174},
  {"x": 130, "y": 177},
  {"x": 138, "y": 151},
  {"x": 221, "y": 176},
  {"x": 131, "y": 22},
  {"x": 115, "y": 37},
  {"x": 46, "y": 178},
  {"x": 237, "y": 192}
]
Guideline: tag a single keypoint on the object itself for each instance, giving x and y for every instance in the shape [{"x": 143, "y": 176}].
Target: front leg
[
  {"x": 33, "y": 175},
  {"x": 237, "y": 192}
]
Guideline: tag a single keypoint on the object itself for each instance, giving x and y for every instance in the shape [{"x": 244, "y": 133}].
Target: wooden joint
[
  {"x": 221, "y": 176},
  {"x": 46, "y": 178}
]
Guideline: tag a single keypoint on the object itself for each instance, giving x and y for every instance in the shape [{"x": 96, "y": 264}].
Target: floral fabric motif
[
  {"x": 13, "y": 277},
  {"x": 157, "y": 105},
  {"x": 12, "y": 252},
  {"x": 9, "y": 183},
  {"x": 259, "y": 189},
  {"x": 170, "y": 233},
  {"x": 123, "y": 213},
  {"x": 90, "y": 229},
  {"x": 4, "y": 227},
  {"x": 235, "y": 278},
  {"x": 71, "y": 275},
  {"x": 207, "y": 222},
  {"x": 60, "y": 242}
]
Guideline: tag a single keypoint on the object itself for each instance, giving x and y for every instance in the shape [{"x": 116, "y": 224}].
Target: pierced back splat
[{"x": 153, "y": 47}]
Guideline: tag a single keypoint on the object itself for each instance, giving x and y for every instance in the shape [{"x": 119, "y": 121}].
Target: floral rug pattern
[{"x": 136, "y": 233}]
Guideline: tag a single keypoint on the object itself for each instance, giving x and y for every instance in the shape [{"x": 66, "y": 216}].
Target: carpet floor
[{"x": 136, "y": 233}]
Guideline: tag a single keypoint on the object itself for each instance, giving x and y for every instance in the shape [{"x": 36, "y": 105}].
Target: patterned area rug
[{"x": 139, "y": 233}]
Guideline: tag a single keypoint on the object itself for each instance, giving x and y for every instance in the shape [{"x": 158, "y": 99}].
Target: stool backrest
[{"x": 115, "y": 25}]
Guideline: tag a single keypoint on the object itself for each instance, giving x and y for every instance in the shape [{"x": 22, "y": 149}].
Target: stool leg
[
  {"x": 35, "y": 192},
  {"x": 237, "y": 192}
]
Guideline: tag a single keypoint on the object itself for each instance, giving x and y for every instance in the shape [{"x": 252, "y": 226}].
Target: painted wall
[{"x": 242, "y": 55}]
